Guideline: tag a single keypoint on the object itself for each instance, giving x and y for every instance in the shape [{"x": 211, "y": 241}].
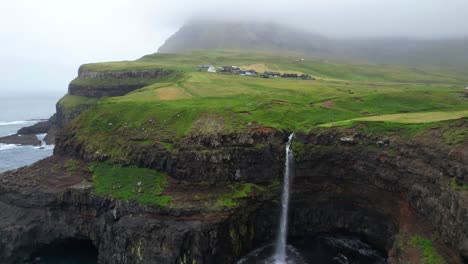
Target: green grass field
[
  {"x": 195, "y": 102},
  {"x": 130, "y": 183}
]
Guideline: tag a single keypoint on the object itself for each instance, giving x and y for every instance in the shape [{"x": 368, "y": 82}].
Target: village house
[
  {"x": 238, "y": 71},
  {"x": 306, "y": 77},
  {"x": 203, "y": 67},
  {"x": 229, "y": 70},
  {"x": 251, "y": 73},
  {"x": 247, "y": 72},
  {"x": 289, "y": 75},
  {"x": 271, "y": 74}
]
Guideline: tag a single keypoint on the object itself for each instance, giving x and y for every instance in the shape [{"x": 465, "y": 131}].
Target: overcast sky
[{"x": 42, "y": 43}]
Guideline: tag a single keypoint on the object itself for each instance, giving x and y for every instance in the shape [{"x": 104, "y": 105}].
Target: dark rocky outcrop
[
  {"x": 379, "y": 190},
  {"x": 38, "y": 128},
  {"x": 103, "y": 91},
  {"x": 27, "y": 135},
  {"x": 201, "y": 158},
  {"x": 113, "y": 83},
  {"x": 18, "y": 139}
]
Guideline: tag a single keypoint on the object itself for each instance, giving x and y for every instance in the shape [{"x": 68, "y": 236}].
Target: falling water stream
[
  {"x": 280, "y": 252},
  {"x": 328, "y": 248}
]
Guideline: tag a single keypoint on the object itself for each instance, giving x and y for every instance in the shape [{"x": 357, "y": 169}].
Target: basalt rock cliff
[{"x": 121, "y": 82}]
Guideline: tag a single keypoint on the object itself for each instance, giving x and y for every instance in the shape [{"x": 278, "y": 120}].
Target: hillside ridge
[{"x": 276, "y": 37}]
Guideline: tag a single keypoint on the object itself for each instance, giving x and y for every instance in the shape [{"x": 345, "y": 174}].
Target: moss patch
[
  {"x": 430, "y": 255},
  {"x": 69, "y": 103},
  {"x": 457, "y": 186},
  {"x": 238, "y": 192},
  {"x": 130, "y": 183},
  {"x": 72, "y": 165}
]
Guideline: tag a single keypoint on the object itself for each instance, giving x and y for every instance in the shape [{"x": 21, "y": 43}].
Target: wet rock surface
[
  {"x": 18, "y": 139},
  {"x": 38, "y": 128},
  {"x": 27, "y": 135}
]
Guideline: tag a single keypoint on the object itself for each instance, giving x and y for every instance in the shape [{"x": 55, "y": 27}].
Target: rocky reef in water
[{"x": 388, "y": 190}]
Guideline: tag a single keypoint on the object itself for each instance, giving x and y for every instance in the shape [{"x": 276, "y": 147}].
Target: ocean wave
[
  {"x": 8, "y": 146},
  {"x": 11, "y": 123},
  {"x": 14, "y": 146}
]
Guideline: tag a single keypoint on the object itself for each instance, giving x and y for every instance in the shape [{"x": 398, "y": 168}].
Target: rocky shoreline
[{"x": 28, "y": 135}]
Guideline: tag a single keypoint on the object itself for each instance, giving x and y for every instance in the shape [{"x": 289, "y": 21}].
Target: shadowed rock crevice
[{"x": 76, "y": 250}]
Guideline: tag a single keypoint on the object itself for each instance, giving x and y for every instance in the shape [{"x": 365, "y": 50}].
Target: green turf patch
[
  {"x": 238, "y": 192},
  {"x": 130, "y": 183},
  {"x": 458, "y": 187},
  {"x": 70, "y": 103},
  {"x": 72, "y": 165},
  {"x": 430, "y": 254},
  {"x": 452, "y": 132}
]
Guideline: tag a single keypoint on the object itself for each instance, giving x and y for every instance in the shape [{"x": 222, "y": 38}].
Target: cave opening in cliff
[{"x": 66, "y": 251}]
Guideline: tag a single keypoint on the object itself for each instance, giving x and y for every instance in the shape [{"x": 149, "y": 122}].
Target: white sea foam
[
  {"x": 8, "y": 146},
  {"x": 12, "y": 123},
  {"x": 46, "y": 147},
  {"x": 4, "y": 147}
]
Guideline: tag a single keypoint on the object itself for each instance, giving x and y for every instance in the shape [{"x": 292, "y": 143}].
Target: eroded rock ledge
[{"x": 97, "y": 84}]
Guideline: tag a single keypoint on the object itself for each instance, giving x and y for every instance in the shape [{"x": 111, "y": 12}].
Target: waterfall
[
  {"x": 41, "y": 138},
  {"x": 280, "y": 252}
]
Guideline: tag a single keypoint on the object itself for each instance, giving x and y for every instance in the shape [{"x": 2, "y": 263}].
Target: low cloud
[{"x": 57, "y": 36}]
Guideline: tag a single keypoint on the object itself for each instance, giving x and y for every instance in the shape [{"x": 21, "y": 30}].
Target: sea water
[{"x": 16, "y": 113}]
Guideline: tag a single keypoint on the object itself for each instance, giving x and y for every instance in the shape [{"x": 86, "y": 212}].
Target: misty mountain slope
[
  {"x": 246, "y": 36},
  {"x": 273, "y": 37}
]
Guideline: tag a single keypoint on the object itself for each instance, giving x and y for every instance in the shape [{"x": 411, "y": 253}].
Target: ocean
[{"x": 16, "y": 113}]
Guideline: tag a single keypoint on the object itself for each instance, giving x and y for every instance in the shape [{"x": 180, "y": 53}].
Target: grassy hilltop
[{"x": 201, "y": 102}]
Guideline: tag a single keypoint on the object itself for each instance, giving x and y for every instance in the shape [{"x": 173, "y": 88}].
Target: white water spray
[
  {"x": 280, "y": 252},
  {"x": 41, "y": 138}
]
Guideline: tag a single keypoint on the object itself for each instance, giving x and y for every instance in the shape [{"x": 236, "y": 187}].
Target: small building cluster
[
  {"x": 207, "y": 68},
  {"x": 268, "y": 74},
  {"x": 287, "y": 75},
  {"x": 234, "y": 70}
]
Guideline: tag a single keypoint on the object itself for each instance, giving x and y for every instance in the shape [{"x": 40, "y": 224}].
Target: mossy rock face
[
  {"x": 97, "y": 84},
  {"x": 70, "y": 106},
  {"x": 428, "y": 250}
]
